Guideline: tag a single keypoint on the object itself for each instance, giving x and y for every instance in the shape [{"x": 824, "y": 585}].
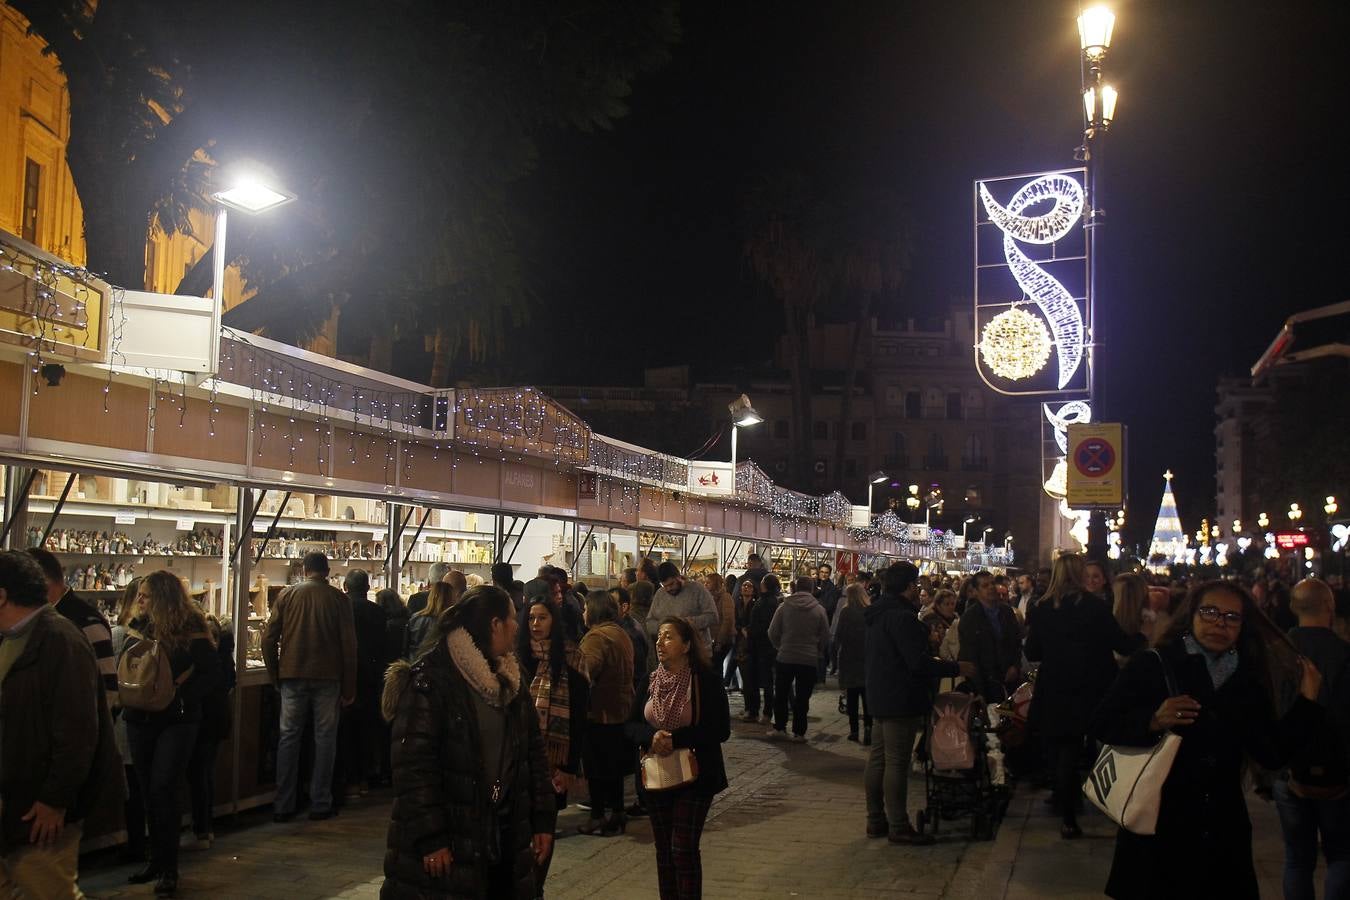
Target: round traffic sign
[{"x": 1094, "y": 457}]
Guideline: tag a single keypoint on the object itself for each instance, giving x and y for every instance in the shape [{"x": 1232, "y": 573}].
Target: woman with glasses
[{"x": 1232, "y": 669}]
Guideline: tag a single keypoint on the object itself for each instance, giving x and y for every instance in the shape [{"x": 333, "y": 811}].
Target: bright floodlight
[
  {"x": 742, "y": 413},
  {"x": 878, "y": 477},
  {"x": 251, "y": 196},
  {"x": 1094, "y": 30}
]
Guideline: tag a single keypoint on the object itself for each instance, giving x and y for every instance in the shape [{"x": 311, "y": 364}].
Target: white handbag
[
  {"x": 1126, "y": 782},
  {"x": 675, "y": 769}
]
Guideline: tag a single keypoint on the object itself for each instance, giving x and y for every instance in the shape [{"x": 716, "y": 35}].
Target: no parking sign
[{"x": 1096, "y": 466}]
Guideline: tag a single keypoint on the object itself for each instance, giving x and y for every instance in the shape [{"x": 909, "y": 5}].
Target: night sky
[{"x": 1223, "y": 186}]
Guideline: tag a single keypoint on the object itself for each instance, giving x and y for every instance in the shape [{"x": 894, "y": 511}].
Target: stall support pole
[
  {"x": 393, "y": 563},
  {"x": 241, "y": 563},
  {"x": 18, "y": 482}
]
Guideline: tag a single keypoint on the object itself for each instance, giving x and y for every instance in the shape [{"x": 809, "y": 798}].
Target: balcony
[
  {"x": 935, "y": 463},
  {"x": 895, "y": 461},
  {"x": 978, "y": 464}
]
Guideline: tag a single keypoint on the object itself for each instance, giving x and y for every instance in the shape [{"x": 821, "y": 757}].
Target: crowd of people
[{"x": 486, "y": 707}]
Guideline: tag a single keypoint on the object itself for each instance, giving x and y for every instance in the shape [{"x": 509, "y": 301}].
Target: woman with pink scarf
[{"x": 683, "y": 709}]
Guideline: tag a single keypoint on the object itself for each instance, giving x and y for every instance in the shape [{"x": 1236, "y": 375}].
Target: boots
[{"x": 867, "y": 736}]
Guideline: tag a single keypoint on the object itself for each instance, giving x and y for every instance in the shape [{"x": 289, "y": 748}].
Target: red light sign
[{"x": 1291, "y": 540}]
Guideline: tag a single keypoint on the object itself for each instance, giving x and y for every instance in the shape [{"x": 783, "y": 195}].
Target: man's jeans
[
  {"x": 886, "y": 778},
  {"x": 298, "y": 697},
  {"x": 1301, "y": 820}
]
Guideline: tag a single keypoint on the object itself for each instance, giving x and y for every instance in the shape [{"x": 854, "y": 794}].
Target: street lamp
[
  {"x": 965, "y": 525},
  {"x": 984, "y": 538},
  {"x": 912, "y": 501},
  {"x": 1095, "y": 25},
  {"x": 1263, "y": 520},
  {"x": 248, "y": 194},
  {"x": 743, "y": 415},
  {"x": 873, "y": 480},
  {"x": 1294, "y": 512},
  {"x": 1330, "y": 507},
  {"x": 1237, "y": 526}
]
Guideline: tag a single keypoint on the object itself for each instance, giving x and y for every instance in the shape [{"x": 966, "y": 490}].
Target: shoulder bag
[{"x": 1126, "y": 782}]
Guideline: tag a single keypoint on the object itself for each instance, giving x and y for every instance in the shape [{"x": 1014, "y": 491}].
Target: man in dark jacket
[
  {"x": 827, "y": 592},
  {"x": 900, "y": 674},
  {"x": 755, "y": 570},
  {"x": 1307, "y": 809},
  {"x": 360, "y": 726},
  {"x": 992, "y": 640},
  {"x": 309, "y": 648},
  {"x": 58, "y": 759}
]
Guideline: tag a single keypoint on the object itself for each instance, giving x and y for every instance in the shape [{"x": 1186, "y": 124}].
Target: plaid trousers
[{"x": 677, "y": 818}]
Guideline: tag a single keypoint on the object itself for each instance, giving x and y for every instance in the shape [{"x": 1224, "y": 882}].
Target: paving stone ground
[{"x": 791, "y": 825}]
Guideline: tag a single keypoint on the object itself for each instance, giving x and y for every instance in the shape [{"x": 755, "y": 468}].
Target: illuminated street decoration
[
  {"x": 1341, "y": 532},
  {"x": 1046, "y": 211},
  {"x": 1169, "y": 540},
  {"x": 1015, "y": 344},
  {"x": 1059, "y": 419}
]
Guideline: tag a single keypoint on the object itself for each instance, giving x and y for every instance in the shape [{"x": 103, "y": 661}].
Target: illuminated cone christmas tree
[{"x": 1168, "y": 538}]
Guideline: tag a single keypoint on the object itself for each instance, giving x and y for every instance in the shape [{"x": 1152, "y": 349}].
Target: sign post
[{"x": 1096, "y": 466}]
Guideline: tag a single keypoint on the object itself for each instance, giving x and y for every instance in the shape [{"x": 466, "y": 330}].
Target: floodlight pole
[{"x": 218, "y": 281}]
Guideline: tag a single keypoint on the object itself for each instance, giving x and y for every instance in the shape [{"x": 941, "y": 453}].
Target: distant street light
[
  {"x": 873, "y": 480},
  {"x": 1263, "y": 520},
  {"x": 1294, "y": 512},
  {"x": 1330, "y": 507},
  {"x": 964, "y": 525},
  {"x": 743, "y": 415}
]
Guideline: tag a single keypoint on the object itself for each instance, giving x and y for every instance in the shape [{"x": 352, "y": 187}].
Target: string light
[
  {"x": 1015, "y": 344},
  {"x": 1055, "y": 301}
]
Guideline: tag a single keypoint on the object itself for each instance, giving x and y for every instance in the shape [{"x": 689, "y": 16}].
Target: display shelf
[{"x": 81, "y": 553}]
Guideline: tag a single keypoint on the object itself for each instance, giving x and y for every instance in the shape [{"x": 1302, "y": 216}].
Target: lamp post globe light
[
  {"x": 1294, "y": 512},
  {"x": 1263, "y": 521},
  {"x": 743, "y": 415},
  {"x": 1330, "y": 507}
]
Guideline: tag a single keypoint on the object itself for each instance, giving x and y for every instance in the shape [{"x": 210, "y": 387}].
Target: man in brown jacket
[
  {"x": 58, "y": 759},
  {"x": 310, "y": 651}
]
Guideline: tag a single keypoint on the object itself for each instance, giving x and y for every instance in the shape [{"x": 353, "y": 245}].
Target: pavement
[{"x": 791, "y": 825}]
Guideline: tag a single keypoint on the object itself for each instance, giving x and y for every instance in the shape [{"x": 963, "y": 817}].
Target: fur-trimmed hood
[{"x": 497, "y": 688}]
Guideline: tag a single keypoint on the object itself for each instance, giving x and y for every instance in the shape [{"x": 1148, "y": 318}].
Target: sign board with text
[
  {"x": 1096, "y": 466},
  {"x": 715, "y": 478}
]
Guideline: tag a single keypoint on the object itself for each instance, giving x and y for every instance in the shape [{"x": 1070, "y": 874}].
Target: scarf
[
  {"x": 496, "y": 688},
  {"x": 552, "y": 701},
  {"x": 669, "y": 695},
  {"x": 1221, "y": 666}
]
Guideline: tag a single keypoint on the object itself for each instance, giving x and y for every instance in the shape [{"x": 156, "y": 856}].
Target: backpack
[
  {"x": 145, "y": 677},
  {"x": 951, "y": 746}
]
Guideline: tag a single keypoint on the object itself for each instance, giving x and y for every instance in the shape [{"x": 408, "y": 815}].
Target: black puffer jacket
[{"x": 441, "y": 798}]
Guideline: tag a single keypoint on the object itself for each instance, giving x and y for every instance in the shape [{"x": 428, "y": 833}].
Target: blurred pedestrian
[
  {"x": 684, "y": 707},
  {"x": 1228, "y": 663},
  {"x": 760, "y": 669},
  {"x": 724, "y": 641},
  {"x": 608, "y": 756},
  {"x": 129, "y": 608},
  {"x": 800, "y": 632},
  {"x": 474, "y": 811},
  {"x": 850, "y": 649},
  {"x": 440, "y": 597}
]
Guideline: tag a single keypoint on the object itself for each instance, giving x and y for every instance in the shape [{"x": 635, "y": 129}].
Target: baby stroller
[{"x": 963, "y": 770}]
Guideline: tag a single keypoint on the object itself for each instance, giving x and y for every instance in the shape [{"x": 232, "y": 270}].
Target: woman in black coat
[
  {"x": 683, "y": 707},
  {"x": 473, "y": 808},
  {"x": 759, "y": 672},
  {"x": 1222, "y": 653},
  {"x": 1073, "y": 634}
]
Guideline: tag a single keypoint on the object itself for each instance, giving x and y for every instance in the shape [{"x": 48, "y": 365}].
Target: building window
[
  {"x": 32, "y": 193},
  {"x": 973, "y": 495},
  {"x": 913, "y": 405},
  {"x": 859, "y": 431},
  {"x": 821, "y": 430},
  {"x": 936, "y": 457},
  {"x": 780, "y": 429},
  {"x": 972, "y": 455},
  {"x": 898, "y": 457},
  {"x": 894, "y": 396},
  {"x": 954, "y": 405}
]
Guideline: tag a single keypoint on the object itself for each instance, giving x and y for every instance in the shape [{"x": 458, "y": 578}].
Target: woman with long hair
[
  {"x": 607, "y": 652},
  {"x": 850, "y": 649},
  {"x": 759, "y": 674},
  {"x": 161, "y": 742},
  {"x": 684, "y": 707},
  {"x": 1232, "y": 668},
  {"x": 128, "y": 609},
  {"x": 1072, "y": 633},
  {"x": 560, "y": 692},
  {"x": 440, "y": 597},
  {"x": 473, "y": 808},
  {"x": 1130, "y": 606},
  {"x": 747, "y": 593}
]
